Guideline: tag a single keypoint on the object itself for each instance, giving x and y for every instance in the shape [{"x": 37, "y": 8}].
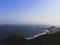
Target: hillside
[{"x": 48, "y": 39}]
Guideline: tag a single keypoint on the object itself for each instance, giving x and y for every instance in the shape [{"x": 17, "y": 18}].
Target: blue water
[{"x": 25, "y": 31}]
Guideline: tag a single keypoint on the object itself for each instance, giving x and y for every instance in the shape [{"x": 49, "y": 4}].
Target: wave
[{"x": 35, "y": 36}]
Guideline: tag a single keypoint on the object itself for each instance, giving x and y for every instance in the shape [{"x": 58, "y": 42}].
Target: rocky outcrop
[{"x": 48, "y": 39}]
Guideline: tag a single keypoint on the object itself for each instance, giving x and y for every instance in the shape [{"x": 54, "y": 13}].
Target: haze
[{"x": 30, "y": 12}]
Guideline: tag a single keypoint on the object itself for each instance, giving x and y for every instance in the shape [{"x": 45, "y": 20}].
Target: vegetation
[{"x": 48, "y": 39}]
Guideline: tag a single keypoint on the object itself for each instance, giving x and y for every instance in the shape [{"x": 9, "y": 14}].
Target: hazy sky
[{"x": 30, "y": 12}]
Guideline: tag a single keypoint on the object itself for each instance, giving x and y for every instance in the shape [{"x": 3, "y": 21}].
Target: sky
[{"x": 30, "y": 12}]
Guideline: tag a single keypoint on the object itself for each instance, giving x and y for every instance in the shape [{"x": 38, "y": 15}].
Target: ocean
[{"x": 27, "y": 31}]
